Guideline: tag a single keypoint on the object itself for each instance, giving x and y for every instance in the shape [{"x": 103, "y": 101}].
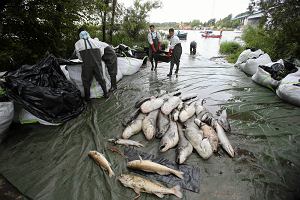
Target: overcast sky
[{"x": 187, "y": 10}]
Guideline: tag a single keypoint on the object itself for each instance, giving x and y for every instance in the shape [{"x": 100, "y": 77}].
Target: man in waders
[
  {"x": 193, "y": 48},
  {"x": 175, "y": 51},
  {"x": 154, "y": 40},
  {"x": 110, "y": 59},
  {"x": 89, "y": 51}
]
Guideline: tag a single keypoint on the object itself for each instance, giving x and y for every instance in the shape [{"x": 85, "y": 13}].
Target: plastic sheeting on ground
[
  {"x": 25, "y": 117},
  {"x": 191, "y": 177},
  {"x": 289, "y": 88},
  {"x": 51, "y": 162},
  {"x": 43, "y": 90},
  {"x": 6, "y": 117}
]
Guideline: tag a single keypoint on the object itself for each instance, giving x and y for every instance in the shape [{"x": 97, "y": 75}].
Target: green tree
[{"x": 195, "y": 23}]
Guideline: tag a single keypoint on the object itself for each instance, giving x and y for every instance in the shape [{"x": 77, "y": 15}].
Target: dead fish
[
  {"x": 141, "y": 101},
  {"x": 180, "y": 106},
  {"x": 134, "y": 127},
  {"x": 184, "y": 148},
  {"x": 126, "y": 142},
  {"x": 223, "y": 121},
  {"x": 133, "y": 116},
  {"x": 139, "y": 184},
  {"x": 188, "y": 96},
  {"x": 170, "y": 105},
  {"x": 149, "y": 166},
  {"x": 170, "y": 138},
  {"x": 102, "y": 162},
  {"x": 175, "y": 114},
  {"x": 153, "y": 104},
  {"x": 163, "y": 124},
  {"x": 195, "y": 136},
  {"x": 209, "y": 133},
  {"x": 187, "y": 112},
  {"x": 224, "y": 139},
  {"x": 149, "y": 124},
  {"x": 204, "y": 115}
]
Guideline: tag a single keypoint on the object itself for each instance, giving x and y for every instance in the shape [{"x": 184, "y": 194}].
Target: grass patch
[{"x": 232, "y": 50}]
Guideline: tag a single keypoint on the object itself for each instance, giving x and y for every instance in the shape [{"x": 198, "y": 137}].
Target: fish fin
[
  {"x": 137, "y": 191},
  {"x": 179, "y": 174},
  {"x": 160, "y": 195},
  {"x": 141, "y": 159},
  {"x": 177, "y": 192},
  {"x": 110, "y": 173}
]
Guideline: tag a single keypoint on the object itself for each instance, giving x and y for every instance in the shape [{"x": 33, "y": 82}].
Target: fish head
[
  {"x": 164, "y": 145},
  {"x": 125, "y": 179},
  {"x": 93, "y": 153},
  {"x": 223, "y": 121},
  {"x": 133, "y": 163},
  {"x": 181, "y": 157},
  {"x": 112, "y": 140}
]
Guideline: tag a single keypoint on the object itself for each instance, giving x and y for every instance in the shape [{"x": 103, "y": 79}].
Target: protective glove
[
  {"x": 153, "y": 48},
  {"x": 170, "y": 53}
]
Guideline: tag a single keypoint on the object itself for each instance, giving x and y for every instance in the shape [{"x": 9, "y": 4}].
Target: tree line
[{"x": 31, "y": 28}]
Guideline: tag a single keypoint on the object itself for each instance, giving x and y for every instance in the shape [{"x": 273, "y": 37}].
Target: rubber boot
[
  {"x": 113, "y": 83},
  {"x": 171, "y": 69},
  {"x": 177, "y": 69},
  {"x": 152, "y": 66},
  {"x": 155, "y": 65}
]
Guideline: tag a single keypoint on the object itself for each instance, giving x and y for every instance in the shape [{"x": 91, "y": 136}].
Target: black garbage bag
[
  {"x": 162, "y": 56},
  {"x": 279, "y": 71},
  {"x": 43, "y": 90}
]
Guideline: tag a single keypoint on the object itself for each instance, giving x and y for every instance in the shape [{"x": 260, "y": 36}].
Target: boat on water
[
  {"x": 211, "y": 36},
  {"x": 206, "y": 31},
  {"x": 181, "y": 36}
]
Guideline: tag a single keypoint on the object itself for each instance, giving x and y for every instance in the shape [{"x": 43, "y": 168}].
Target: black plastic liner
[
  {"x": 191, "y": 177},
  {"x": 279, "y": 71},
  {"x": 43, "y": 90}
]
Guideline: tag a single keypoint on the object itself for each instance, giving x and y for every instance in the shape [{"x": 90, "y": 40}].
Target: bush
[
  {"x": 232, "y": 50},
  {"x": 229, "y": 47}
]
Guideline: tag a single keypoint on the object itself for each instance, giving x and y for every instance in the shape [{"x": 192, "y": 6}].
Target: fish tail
[
  {"x": 179, "y": 174},
  {"x": 177, "y": 192},
  {"x": 110, "y": 173}
]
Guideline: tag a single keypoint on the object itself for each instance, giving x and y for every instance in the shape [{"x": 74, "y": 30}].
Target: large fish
[
  {"x": 223, "y": 121},
  {"x": 153, "y": 104},
  {"x": 170, "y": 105},
  {"x": 102, "y": 162},
  {"x": 187, "y": 112},
  {"x": 195, "y": 136},
  {"x": 126, "y": 142},
  {"x": 184, "y": 148},
  {"x": 224, "y": 139},
  {"x": 149, "y": 166},
  {"x": 134, "y": 127},
  {"x": 163, "y": 124},
  {"x": 170, "y": 138},
  {"x": 175, "y": 114},
  {"x": 204, "y": 115},
  {"x": 149, "y": 124},
  {"x": 139, "y": 184},
  {"x": 209, "y": 133}
]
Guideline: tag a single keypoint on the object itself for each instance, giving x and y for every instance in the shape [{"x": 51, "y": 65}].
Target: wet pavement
[{"x": 46, "y": 162}]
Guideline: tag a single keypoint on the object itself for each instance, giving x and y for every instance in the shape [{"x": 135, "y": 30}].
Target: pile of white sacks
[
  {"x": 126, "y": 66},
  {"x": 287, "y": 89}
]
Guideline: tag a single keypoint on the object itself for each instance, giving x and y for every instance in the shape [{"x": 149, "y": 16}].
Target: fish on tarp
[
  {"x": 175, "y": 114},
  {"x": 134, "y": 127},
  {"x": 195, "y": 136},
  {"x": 170, "y": 138},
  {"x": 189, "y": 96},
  {"x": 152, "y": 104},
  {"x": 170, "y": 105},
  {"x": 149, "y": 166},
  {"x": 149, "y": 124},
  {"x": 187, "y": 112},
  {"x": 125, "y": 142},
  {"x": 223, "y": 121},
  {"x": 184, "y": 148},
  {"x": 224, "y": 139},
  {"x": 204, "y": 115},
  {"x": 102, "y": 162},
  {"x": 209, "y": 133},
  {"x": 139, "y": 184},
  {"x": 163, "y": 124}
]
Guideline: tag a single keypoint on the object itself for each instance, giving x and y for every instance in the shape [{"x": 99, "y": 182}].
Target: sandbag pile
[
  {"x": 249, "y": 61},
  {"x": 180, "y": 121}
]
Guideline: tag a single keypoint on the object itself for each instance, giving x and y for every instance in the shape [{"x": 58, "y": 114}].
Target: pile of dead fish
[{"x": 180, "y": 121}]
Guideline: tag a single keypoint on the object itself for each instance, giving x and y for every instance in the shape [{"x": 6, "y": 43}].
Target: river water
[{"x": 47, "y": 162}]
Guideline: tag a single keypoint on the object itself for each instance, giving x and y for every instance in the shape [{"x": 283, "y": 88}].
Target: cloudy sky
[{"x": 187, "y": 10}]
